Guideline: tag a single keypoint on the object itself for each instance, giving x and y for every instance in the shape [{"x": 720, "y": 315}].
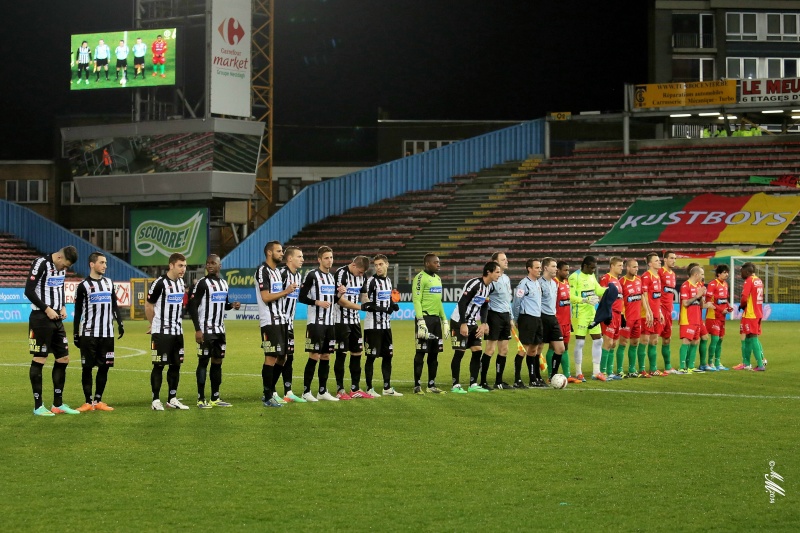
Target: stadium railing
[
  {"x": 421, "y": 171},
  {"x": 47, "y": 237}
]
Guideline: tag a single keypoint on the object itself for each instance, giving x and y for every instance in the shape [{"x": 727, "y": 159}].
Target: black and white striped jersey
[
  {"x": 95, "y": 308},
  {"x": 353, "y": 284},
  {"x": 269, "y": 279},
  {"x": 208, "y": 303},
  {"x": 45, "y": 285},
  {"x": 321, "y": 286},
  {"x": 290, "y": 302},
  {"x": 378, "y": 290},
  {"x": 473, "y": 303},
  {"x": 166, "y": 295}
]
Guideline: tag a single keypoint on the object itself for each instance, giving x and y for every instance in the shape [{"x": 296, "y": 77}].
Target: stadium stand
[{"x": 15, "y": 261}]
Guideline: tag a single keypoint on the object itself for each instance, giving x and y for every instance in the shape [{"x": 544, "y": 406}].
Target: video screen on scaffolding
[{"x": 123, "y": 59}]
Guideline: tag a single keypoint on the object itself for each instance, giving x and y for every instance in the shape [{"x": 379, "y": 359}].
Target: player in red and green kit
[
  {"x": 632, "y": 309},
  {"x": 611, "y": 331},
  {"x": 564, "y": 318},
  {"x": 692, "y": 297},
  {"x": 751, "y": 306},
  {"x": 653, "y": 315},
  {"x": 717, "y": 295},
  {"x": 669, "y": 294}
]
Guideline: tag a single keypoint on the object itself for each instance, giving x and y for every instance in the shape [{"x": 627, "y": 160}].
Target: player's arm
[
  {"x": 34, "y": 276},
  {"x": 416, "y": 295},
  {"x": 80, "y": 297},
  {"x": 463, "y": 302},
  {"x": 115, "y": 312},
  {"x": 341, "y": 300},
  {"x": 195, "y": 297},
  {"x": 747, "y": 288},
  {"x": 156, "y": 288},
  {"x": 599, "y": 290},
  {"x": 516, "y": 300},
  {"x": 308, "y": 284}
]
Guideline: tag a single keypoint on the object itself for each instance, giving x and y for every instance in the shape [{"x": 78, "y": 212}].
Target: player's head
[
  {"x": 491, "y": 271},
  {"x": 212, "y": 265},
  {"x": 138, "y": 40},
  {"x": 293, "y": 257},
  {"x": 689, "y": 268},
  {"x": 615, "y": 266},
  {"x": 431, "y": 262},
  {"x": 381, "y": 264},
  {"x": 562, "y": 270},
  {"x": 589, "y": 264},
  {"x": 325, "y": 257},
  {"x": 501, "y": 259},
  {"x": 534, "y": 268},
  {"x": 65, "y": 257},
  {"x": 85, "y": 43},
  {"x": 273, "y": 252},
  {"x": 549, "y": 267},
  {"x": 748, "y": 269},
  {"x": 101, "y": 41},
  {"x": 359, "y": 265},
  {"x": 669, "y": 259},
  {"x": 98, "y": 263},
  {"x": 177, "y": 266},
  {"x": 632, "y": 267},
  {"x": 158, "y": 38},
  {"x": 696, "y": 273},
  {"x": 722, "y": 272},
  {"x": 653, "y": 261}
]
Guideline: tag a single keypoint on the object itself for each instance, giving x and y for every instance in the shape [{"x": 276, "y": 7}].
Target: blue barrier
[
  {"x": 366, "y": 187},
  {"x": 48, "y": 237}
]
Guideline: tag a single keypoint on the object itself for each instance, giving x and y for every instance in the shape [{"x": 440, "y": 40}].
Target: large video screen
[{"x": 123, "y": 59}]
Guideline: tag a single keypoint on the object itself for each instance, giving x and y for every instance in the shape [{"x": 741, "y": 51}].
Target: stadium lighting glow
[
  {"x": 677, "y": 115},
  {"x": 730, "y": 117},
  {"x": 773, "y": 111},
  {"x": 796, "y": 117},
  {"x": 714, "y": 114}
]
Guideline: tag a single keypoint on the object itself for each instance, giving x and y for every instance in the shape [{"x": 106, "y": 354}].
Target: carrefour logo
[{"x": 231, "y": 30}]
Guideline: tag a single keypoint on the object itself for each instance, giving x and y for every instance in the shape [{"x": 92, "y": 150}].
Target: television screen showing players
[{"x": 123, "y": 59}]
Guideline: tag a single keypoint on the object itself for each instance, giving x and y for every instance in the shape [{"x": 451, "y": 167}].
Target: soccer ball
[
  {"x": 123, "y": 81},
  {"x": 558, "y": 381}
]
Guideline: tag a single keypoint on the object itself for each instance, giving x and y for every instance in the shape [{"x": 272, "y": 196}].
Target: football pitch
[{"x": 685, "y": 453}]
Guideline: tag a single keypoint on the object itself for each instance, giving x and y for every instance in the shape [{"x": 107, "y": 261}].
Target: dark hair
[
  {"x": 667, "y": 254},
  {"x": 428, "y": 257},
  {"x": 380, "y": 257},
  {"x": 70, "y": 253},
  {"x": 174, "y": 258},
  {"x": 290, "y": 251},
  {"x": 361, "y": 261},
  {"x": 721, "y": 269},
  {"x": 690, "y": 266},
  {"x": 562, "y": 264},
  {"x": 649, "y": 257},
  {"x": 322, "y": 250},
  {"x": 94, "y": 256},
  {"x": 490, "y": 267},
  {"x": 749, "y": 267},
  {"x": 211, "y": 256},
  {"x": 529, "y": 263},
  {"x": 587, "y": 260},
  {"x": 270, "y": 246},
  {"x": 547, "y": 260}
]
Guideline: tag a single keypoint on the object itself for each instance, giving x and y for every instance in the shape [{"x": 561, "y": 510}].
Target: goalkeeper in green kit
[{"x": 431, "y": 322}]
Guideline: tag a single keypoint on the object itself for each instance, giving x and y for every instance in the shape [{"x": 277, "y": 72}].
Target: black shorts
[
  {"x": 348, "y": 338},
  {"x": 273, "y": 340},
  {"x": 97, "y": 351},
  {"x": 461, "y": 342},
  {"x": 530, "y": 329},
  {"x": 46, "y": 336},
  {"x": 101, "y": 62},
  {"x": 213, "y": 346},
  {"x": 551, "y": 329},
  {"x": 320, "y": 338},
  {"x": 138, "y": 60},
  {"x": 499, "y": 326},
  {"x": 166, "y": 349},
  {"x": 378, "y": 343},
  {"x": 435, "y": 345},
  {"x": 290, "y": 342}
]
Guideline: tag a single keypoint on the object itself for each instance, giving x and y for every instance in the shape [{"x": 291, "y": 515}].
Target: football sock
[
  {"x": 277, "y": 372},
  {"x": 518, "y": 368},
  {"x": 651, "y": 355},
  {"x": 578, "y": 355},
  {"x": 718, "y": 353},
  {"x": 597, "y": 352},
  {"x": 355, "y": 372},
  {"x": 369, "y": 370},
  {"x": 712, "y": 350},
  {"x": 745, "y": 352},
  {"x": 433, "y": 366},
  {"x": 603, "y": 359},
  {"x": 266, "y": 380},
  {"x": 200, "y": 373},
  {"x": 86, "y": 383},
  {"x": 692, "y": 357},
  {"x": 324, "y": 369},
  {"x": 102, "y": 379},
  {"x": 632, "y": 349},
  {"x": 549, "y": 358},
  {"x": 216, "y": 380},
  {"x": 666, "y": 355},
  {"x": 455, "y": 366},
  {"x": 419, "y": 361},
  {"x": 684, "y": 355},
  {"x": 532, "y": 361},
  {"x": 703, "y": 352},
  {"x": 156, "y": 377},
  {"x": 338, "y": 369},
  {"x": 36, "y": 383},
  {"x": 59, "y": 377},
  {"x": 641, "y": 353},
  {"x": 287, "y": 373},
  {"x": 757, "y": 351},
  {"x": 474, "y": 367},
  {"x": 308, "y": 375},
  {"x": 757, "y": 341},
  {"x": 565, "y": 363},
  {"x": 555, "y": 364},
  {"x": 486, "y": 360},
  {"x": 620, "y": 358},
  {"x": 386, "y": 369},
  {"x": 500, "y": 366},
  {"x": 173, "y": 378}
]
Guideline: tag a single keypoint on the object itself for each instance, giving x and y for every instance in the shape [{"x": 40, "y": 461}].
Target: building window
[
  {"x": 695, "y": 30},
  {"x": 26, "y": 191},
  {"x": 288, "y": 188},
  {"x": 781, "y": 67},
  {"x": 741, "y": 27},
  {"x": 114, "y": 240},
  {"x": 69, "y": 194},
  {"x": 742, "y": 68},
  {"x": 418, "y": 147},
  {"x": 782, "y": 27},
  {"x": 692, "y": 69}
]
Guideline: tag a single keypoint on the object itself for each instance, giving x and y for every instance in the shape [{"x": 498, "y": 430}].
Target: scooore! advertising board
[{"x": 158, "y": 233}]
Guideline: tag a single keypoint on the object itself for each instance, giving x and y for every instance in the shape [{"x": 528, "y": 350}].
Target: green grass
[{"x": 682, "y": 453}]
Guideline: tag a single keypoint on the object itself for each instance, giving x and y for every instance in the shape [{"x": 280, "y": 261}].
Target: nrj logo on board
[{"x": 156, "y": 236}]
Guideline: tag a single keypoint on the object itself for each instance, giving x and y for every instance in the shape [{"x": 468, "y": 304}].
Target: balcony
[{"x": 696, "y": 41}]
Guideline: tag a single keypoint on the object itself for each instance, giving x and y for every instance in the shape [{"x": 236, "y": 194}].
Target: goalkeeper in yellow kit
[
  {"x": 431, "y": 322},
  {"x": 585, "y": 292}
]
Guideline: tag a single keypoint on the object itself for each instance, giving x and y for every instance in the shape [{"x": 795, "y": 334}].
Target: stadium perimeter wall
[{"x": 359, "y": 189}]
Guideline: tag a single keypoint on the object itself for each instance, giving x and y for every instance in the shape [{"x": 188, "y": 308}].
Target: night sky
[{"x": 338, "y": 61}]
